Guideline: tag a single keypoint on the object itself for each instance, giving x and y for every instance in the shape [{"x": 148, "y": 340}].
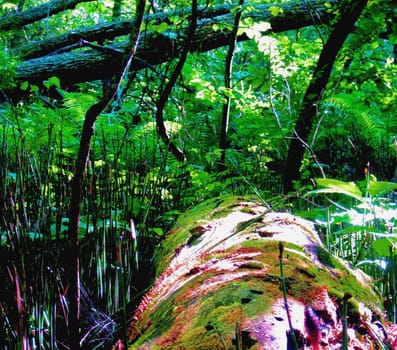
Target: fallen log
[
  {"x": 291, "y": 16},
  {"x": 21, "y": 19},
  {"x": 220, "y": 286},
  {"x": 212, "y": 32}
]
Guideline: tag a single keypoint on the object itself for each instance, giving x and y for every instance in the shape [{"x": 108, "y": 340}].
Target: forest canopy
[{"x": 116, "y": 116}]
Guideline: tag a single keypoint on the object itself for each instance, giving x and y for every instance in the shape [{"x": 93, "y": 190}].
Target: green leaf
[
  {"x": 352, "y": 229},
  {"x": 276, "y": 10},
  {"x": 377, "y": 188},
  {"x": 382, "y": 246},
  {"x": 24, "y": 86},
  {"x": 338, "y": 186},
  {"x": 34, "y": 88},
  {"x": 52, "y": 81},
  {"x": 234, "y": 10},
  {"x": 157, "y": 230},
  {"x": 162, "y": 27}
]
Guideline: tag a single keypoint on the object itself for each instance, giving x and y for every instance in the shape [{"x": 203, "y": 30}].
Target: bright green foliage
[
  {"x": 358, "y": 223},
  {"x": 8, "y": 64}
]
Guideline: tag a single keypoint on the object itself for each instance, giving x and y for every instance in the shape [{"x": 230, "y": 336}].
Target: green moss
[
  {"x": 249, "y": 223},
  {"x": 326, "y": 258},
  {"x": 252, "y": 265},
  {"x": 345, "y": 281},
  {"x": 166, "y": 314},
  {"x": 302, "y": 275},
  {"x": 208, "y": 320},
  {"x": 220, "y": 309},
  {"x": 199, "y": 215},
  {"x": 230, "y": 202},
  {"x": 211, "y": 317}
]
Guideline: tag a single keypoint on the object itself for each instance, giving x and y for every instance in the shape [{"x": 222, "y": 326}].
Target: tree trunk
[
  {"x": 100, "y": 63},
  {"x": 223, "y": 142},
  {"x": 312, "y": 97},
  {"x": 166, "y": 91},
  {"x": 73, "y": 268}
]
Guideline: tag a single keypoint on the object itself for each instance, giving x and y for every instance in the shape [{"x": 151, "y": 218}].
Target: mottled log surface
[{"x": 218, "y": 286}]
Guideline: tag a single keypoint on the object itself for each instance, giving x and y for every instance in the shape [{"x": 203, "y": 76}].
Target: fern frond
[
  {"x": 367, "y": 119},
  {"x": 78, "y": 103}
]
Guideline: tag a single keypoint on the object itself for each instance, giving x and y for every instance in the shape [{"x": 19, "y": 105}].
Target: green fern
[
  {"x": 78, "y": 103},
  {"x": 367, "y": 119}
]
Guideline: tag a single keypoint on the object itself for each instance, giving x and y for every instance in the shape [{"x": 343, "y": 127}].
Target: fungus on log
[{"x": 218, "y": 286}]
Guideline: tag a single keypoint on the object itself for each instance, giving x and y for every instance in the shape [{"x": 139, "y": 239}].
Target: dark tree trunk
[
  {"x": 116, "y": 9},
  {"x": 166, "y": 91},
  {"x": 20, "y": 19},
  {"x": 73, "y": 267},
  {"x": 100, "y": 63},
  {"x": 223, "y": 142},
  {"x": 312, "y": 97},
  {"x": 294, "y": 16}
]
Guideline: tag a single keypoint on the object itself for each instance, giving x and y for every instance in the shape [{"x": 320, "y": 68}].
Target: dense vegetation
[{"x": 108, "y": 132}]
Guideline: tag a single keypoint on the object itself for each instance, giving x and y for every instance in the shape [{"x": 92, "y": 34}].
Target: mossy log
[{"x": 218, "y": 286}]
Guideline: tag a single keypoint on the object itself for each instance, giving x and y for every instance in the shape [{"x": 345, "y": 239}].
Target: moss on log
[{"x": 218, "y": 285}]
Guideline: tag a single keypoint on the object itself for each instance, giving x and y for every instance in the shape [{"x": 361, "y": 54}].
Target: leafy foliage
[{"x": 359, "y": 220}]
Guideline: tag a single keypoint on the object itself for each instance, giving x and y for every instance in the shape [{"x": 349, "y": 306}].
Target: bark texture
[{"x": 20, "y": 19}]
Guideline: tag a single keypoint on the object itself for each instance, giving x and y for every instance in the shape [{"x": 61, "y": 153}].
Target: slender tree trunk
[
  {"x": 116, "y": 9},
  {"x": 73, "y": 268},
  {"x": 165, "y": 93},
  {"x": 317, "y": 85},
  {"x": 74, "y": 224},
  {"x": 223, "y": 143}
]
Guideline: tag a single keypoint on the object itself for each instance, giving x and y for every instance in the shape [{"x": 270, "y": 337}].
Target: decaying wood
[{"x": 219, "y": 277}]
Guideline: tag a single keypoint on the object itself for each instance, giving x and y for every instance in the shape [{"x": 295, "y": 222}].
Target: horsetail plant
[
  {"x": 345, "y": 338},
  {"x": 291, "y": 335}
]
